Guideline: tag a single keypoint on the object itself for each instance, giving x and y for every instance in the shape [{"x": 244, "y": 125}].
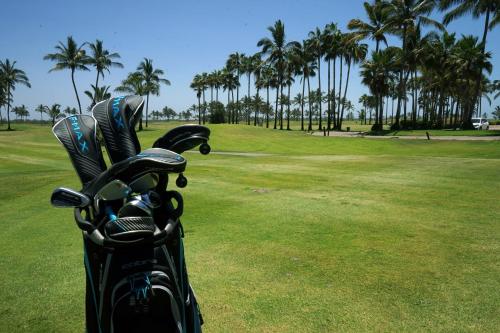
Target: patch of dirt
[{"x": 261, "y": 190}]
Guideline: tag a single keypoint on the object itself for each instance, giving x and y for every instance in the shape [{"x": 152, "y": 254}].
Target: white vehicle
[{"x": 480, "y": 123}]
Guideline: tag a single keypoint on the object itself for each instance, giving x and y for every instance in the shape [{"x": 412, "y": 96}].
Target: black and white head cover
[
  {"x": 117, "y": 118},
  {"x": 78, "y": 135}
]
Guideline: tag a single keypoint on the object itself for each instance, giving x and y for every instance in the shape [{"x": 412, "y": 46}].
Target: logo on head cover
[
  {"x": 117, "y": 116},
  {"x": 78, "y": 135}
]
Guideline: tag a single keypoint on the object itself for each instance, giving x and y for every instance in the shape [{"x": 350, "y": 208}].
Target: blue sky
[{"x": 182, "y": 37}]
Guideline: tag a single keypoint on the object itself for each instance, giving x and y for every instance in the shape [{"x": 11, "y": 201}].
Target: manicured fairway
[{"x": 303, "y": 234}]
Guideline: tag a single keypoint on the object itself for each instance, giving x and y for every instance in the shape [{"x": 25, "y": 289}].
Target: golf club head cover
[
  {"x": 117, "y": 118},
  {"x": 182, "y": 138},
  {"x": 78, "y": 135}
]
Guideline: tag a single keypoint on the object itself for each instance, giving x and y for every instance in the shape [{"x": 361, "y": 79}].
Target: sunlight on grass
[{"x": 314, "y": 235}]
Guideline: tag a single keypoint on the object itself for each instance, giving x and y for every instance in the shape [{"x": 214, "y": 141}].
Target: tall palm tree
[
  {"x": 317, "y": 47},
  {"x": 470, "y": 60},
  {"x": 234, "y": 65},
  {"x": 333, "y": 50},
  {"x": 198, "y": 86},
  {"x": 267, "y": 75},
  {"x": 491, "y": 11},
  {"x": 376, "y": 73},
  {"x": 354, "y": 52},
  {"x": 305, "y": 60},
  {"x": 258, "y": 66},
  {"x": 102, "y": 60},
  {"x": 10, "y": 75},
  {"x": 405, "y": 15},
  {"x": 247, "y": 67},
  {"x": 42, "y": 109},
  {"x": 152, "y": 79},
  {"x": 70, "y": 56},
  {"x": 375, "y": 28},
  {"x": 275, "y": 48},
  {"x": 3, "y": 96},
  {"x": 291, "y": 69}
]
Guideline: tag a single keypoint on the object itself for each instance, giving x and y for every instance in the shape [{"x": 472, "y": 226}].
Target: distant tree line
[{"x": 434, "y": 80}]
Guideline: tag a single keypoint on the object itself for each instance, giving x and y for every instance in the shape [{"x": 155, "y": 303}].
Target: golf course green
[{"x": 284, "y": 232}]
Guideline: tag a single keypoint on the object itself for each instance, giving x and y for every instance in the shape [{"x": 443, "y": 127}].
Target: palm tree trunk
[
  {"x": 340, "y": 93},
  {"x": 199, "y": 110},
  {"x": 386, "y": 108},
  {"x": 96, "y": 86},
  {"x": 302, "y": 104},
  {"x": 237, "y": 115},
  {"x": 309, "y": 128},
  {"x": 268, "y": 107},
  {"x": 401, "y": 73},
  {"x": 288, "y": 110},
  {"x": 256, "y": 108},
  {"x": 204, "y": 107},
  {"x": 227, "y": 106},
  {"x": 8, "y": 107},
  {"x": 276, "y": 107},
  {"x": 281, "y": 106},
  {"x": 328, "y": 98},
  {"x": 147, "y": 105},
  {"x": 477, "y": 93},
  {"x": 76, "y": 92},
  {"x": 345, "y": 92},
  {"x": 334, "y": 94},
  {"x": 319, "y": 88}
]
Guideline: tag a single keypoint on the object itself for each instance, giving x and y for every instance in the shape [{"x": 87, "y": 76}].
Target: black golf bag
[{"x": 136, "y": 276}]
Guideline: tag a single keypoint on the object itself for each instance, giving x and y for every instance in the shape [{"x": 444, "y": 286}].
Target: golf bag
[{"x": 136, "y": 275}]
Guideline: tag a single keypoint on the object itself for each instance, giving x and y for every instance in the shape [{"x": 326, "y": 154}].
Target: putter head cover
[
  {"x": 78, "y": 135},
  {"x": 117, "y": 118}
]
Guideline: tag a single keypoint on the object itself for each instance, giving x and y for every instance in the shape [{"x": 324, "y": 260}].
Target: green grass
[
  {"x": 440, "y": 133},
  {"x": 305, "y": 235}
]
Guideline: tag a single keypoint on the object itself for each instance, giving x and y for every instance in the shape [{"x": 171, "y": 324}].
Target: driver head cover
[
  {"x": 78, "y": 135},
  {"x": 117, "y": 118}
]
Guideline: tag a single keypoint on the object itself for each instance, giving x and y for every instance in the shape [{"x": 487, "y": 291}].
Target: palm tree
[
  {"x": 152, "y": 80},
  {"x": 197, "y": 86},
  {"x": 247, "y": 67},
  {"x": 477, "y": 8},
  {"x": 70, "y": 111},
  {"x": 305, "y": 60},
  {"x": 133, "y": 84},
  {"x": 317, "y": 47},
  {"x": 267, "y": 74},
  {"x": 72, "y": 57},
  {"x": 42, "y": 109},
  {"x": 405, "y": 15},
  {"x": 332, "y": 52},
  {"x": 259, "y": 84},
  {"x": 97, "y": 94},
  {"x": 376, "y": 73},
  {"x": 10, "y": 75},
  {"x": 275, "y": 48},
  {"x": 354, "y": 52},
  {"x": 21, "y": 111},
  {"x": 375, "y": 28},
  {"x": 55, "y": 113},
  {"x": 470, "y": 60},
  {"x": 234, "y": 65},
  {"x": 102, "y": 60}
]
